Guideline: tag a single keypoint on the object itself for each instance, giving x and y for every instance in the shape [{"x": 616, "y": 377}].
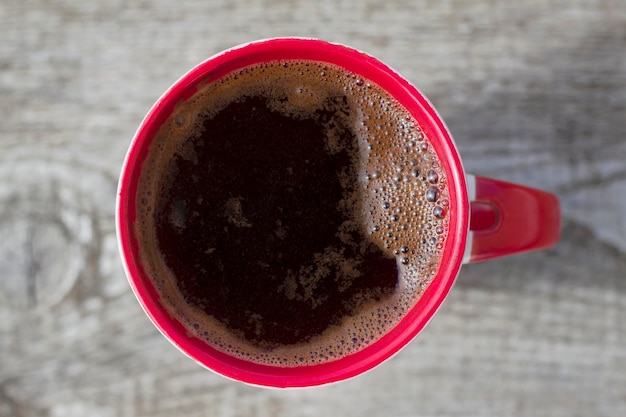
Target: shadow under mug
[{"x": 487, "y": 218}]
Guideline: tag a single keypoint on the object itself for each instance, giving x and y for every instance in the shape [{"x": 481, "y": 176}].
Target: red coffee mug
[{"x": 487, "y": 218}]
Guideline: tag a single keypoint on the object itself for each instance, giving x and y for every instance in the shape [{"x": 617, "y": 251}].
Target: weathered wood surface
[{"x": 534, "y": 92}]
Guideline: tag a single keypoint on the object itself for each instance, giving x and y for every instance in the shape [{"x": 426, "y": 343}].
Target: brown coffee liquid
[{"x": 291, "y": 213}]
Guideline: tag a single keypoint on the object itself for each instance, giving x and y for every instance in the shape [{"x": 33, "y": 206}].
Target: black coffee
[{"x": 291, "y": 213}]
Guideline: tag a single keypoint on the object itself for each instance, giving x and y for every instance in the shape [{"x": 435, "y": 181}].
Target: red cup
[{"x": 487, "y": 218}]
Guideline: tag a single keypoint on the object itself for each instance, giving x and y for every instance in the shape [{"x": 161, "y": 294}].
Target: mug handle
[{"x": 508, "y": 218}]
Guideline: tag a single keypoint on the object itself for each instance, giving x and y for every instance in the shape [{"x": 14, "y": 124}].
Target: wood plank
[{"x": 534, "y": 92}]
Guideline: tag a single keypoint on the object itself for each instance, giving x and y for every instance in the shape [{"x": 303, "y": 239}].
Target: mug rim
[{"x": 293, "y": 48}]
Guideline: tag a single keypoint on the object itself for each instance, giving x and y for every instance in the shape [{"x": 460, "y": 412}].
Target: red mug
[{"x": 487, "y": 218}]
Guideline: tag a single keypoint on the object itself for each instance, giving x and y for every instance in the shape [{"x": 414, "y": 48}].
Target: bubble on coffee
[{"x": 392, "y": 199}]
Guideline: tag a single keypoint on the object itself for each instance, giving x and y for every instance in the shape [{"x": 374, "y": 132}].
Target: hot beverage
[{"x": 291, "y": 212}]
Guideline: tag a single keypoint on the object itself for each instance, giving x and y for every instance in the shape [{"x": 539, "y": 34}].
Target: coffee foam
[{"x": 400, "y": 204}]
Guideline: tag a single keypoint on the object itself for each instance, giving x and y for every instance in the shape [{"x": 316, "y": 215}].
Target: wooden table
[{"x": 534, "y": 92}]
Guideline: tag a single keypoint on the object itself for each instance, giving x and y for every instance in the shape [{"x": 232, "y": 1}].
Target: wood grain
[{"x": 534, "y": 92}]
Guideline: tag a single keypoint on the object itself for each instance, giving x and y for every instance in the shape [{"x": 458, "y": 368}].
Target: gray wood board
[{"x": 534, "y": 92}]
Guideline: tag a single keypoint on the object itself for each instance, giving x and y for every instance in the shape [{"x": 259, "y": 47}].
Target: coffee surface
[
  {"x": 258, "y": 229},
  {"x": 291, "y": 213}
]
